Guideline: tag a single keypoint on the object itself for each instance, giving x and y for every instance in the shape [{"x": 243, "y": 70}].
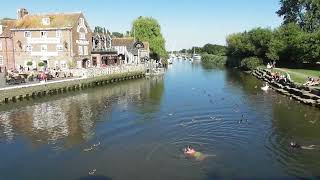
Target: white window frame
[
  {"x": 85, "y": 50},
  {"x": 27, "y": 34},
  {"x": 28, "y": 48},
  {"x": 44, "y": 48},
  {"x": 81, "y": 21},
  {"x": 63, "y": 65},
  {"x": 1, "y": 29},
  {"x": 82, "y": 35},
  {"x": 80, "y": 50},
  {"x": 46, "y": 21},
  {"x": 0, "y": 45},
  {"x": 1, "y": 60},
  {"x": 59, "y": 48},
  {"x": 59, "y": 34},
  {"x": 43, "y": 33}
]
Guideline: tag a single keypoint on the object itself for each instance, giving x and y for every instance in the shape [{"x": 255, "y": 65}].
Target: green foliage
[
  {"x": 305, "y": 13},
  {"x": 117, "y": 35},
  {"x": 288, "y": 44},
  {"x": 41, "y": 64},
  {"x": 214, "y": 49},
  {"x": 210, "y": 59},
  {"x": 250, "y": 63},
  {"x": 148, "y": 29},
  {"x": 29, "y": 63}
]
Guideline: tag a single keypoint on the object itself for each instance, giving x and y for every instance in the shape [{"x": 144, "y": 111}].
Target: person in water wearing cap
[
  {"x": 295, "y": 145},
  {"x": 190, "y": 151}
]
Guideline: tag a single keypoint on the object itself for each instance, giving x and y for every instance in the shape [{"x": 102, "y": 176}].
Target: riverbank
[
  {"x": 86, "y": 78},
  {"x": 303, "y": 94}
]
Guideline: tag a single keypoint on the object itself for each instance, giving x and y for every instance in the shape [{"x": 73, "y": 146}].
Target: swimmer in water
[
  {"x": 190, "y": 151},
  {"x": 295, "y": 145}
]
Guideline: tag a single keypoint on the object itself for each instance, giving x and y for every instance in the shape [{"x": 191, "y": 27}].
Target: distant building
[
  {"x": 102, "y": 52},
  {"x": 131, "y": 51},
  {"x": 60, "y": 40},
  {"x": 6, "y": 45}
]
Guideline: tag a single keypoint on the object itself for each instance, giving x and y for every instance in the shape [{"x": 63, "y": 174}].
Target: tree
[
  {"x": 214, "y": 49},
  {"x": 117, "y": 35},
  {"x": 98, "y": 29},
  {"x": 306, "y": 13},
  {"x": 148, "y": 29}
]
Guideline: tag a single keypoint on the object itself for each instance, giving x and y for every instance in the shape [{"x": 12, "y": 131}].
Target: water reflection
[{"x": 73, "y": 118}]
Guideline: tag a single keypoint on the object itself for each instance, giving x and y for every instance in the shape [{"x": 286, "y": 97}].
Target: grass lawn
[{"x": 299, "y": 75}]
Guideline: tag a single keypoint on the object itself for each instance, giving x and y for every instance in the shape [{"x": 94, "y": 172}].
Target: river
[{"x": 137, "y": 130}]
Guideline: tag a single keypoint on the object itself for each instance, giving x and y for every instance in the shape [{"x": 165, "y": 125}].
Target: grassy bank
[{"x": 299, "y": 75}]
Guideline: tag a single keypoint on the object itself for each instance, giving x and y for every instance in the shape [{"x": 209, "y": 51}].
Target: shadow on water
[{"x": 95, "y": 178}]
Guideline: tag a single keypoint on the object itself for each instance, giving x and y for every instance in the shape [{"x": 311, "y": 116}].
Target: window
[
  {"x": 81, "y": 22},
  {"x": 44, "y": 48},
  {"x": 59, "y": 48},
  {"x": 0, "y": 45},
  {"x": 82, "y": 35},
  {"x": 43, "y": 34},
  {"x": 1, "y": 30},
  {"x": 46, "y": 21},
  {"x": 27, "y": 34},
  {"x": 1, "y": 60},
  {"x": 59, "y": 34},
  {"x": 28, "y": 48},
  {"x": 63, "y": 65},
  {"x": 85, "y": 50},
  {"x": 80, "y": 50}
]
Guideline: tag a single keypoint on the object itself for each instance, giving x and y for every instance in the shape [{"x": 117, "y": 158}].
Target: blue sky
[{"x": 185, "y": 23}]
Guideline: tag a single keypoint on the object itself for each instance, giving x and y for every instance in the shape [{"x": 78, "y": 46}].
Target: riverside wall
[{"x": 303, "y": 94}]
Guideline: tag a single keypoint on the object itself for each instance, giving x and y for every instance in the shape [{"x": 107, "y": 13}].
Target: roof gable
[{"x": 61, "y": 20}]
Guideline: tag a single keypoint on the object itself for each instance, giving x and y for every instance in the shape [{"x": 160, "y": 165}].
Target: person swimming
[
  {"x": 295, "y": 145},
  {"x": 190, "y": 151}
]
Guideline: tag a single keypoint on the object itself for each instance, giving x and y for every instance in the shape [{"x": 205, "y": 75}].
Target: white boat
[{"x": 196, "y": 57}]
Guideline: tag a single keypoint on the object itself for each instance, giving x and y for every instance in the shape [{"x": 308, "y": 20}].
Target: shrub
[
  {"x": 41, "y": 64},
  {"x": 250, "y": 63},
  {"x": 29, "y": 63}
]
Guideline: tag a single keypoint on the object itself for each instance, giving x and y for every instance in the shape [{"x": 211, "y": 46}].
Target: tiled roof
[
  {"x": 7, "y": 25},
  {"x": 146, "y": 45},
  {"x": 59, "y": 20},
  {"x": 129, "y": 42}
]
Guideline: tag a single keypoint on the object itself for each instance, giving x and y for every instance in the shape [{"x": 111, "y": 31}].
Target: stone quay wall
[
  {"x": 87, "y": 78},
  {"x": 303, "y": 94}
]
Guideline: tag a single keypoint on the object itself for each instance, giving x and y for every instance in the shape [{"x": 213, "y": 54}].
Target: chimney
[{"x": 21, "y": 13}]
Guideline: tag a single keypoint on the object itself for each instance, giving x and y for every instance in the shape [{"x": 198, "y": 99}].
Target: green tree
[
  {"x": 214, "y": 49},
  {"x": 148, "y": 29},
  {"x": 306, "y": 13},
  {"x": 117, "y": 35}
]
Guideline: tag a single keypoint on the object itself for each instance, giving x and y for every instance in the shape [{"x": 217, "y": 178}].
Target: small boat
[{"x": 265, "y": 88}]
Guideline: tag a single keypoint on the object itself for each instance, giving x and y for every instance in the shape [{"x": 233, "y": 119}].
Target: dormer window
[{"x": 46, "y": 21}]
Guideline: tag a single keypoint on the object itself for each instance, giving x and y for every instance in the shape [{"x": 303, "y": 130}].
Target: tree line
[{"x": 297, "y": 40}]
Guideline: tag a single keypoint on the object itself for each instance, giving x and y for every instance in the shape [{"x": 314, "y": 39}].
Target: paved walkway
[{"x": 35, "y": 83}]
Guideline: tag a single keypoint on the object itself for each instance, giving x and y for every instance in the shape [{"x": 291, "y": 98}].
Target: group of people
[
  {"x": 312, "y": 81},
  {"x": 271, "y": 65},
  {"x": 281, "y": 78}
]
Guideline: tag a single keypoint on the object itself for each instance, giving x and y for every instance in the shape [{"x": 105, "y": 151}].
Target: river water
[{"x": 137, "y": 130}]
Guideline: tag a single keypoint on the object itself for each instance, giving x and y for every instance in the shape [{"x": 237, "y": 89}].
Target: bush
[
  {"x": 250, "y": 63},
  {"x": 29, "y": 63},
  {"x": 41, "y": 64}
]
